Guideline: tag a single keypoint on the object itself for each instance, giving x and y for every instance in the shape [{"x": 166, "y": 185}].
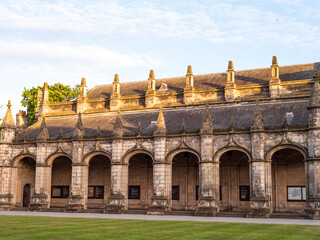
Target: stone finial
[
  {"x": 183, "y": 126},
  {"x": 116, "y": 78},
  {"x": 78, "y": 132},
  {"x": 99, "y": 134},
  {"x": 45, "y": 93},
  {"x": 257, "y": 123},
  {"x": 231, "y": 125},
  {"x": 207, "y": 125},
  {"x": 274, "y": 61},
  {"x": 230, "y": 66},
  {"x": 60, "y": 133},
  {"x": 45, "y": 87},
  {"x": 139, "y": 131},
  {"x": 285, "y": 124},
  {"x": 189, "y": 71},
  {"x": 151, "y": 81},
  {"x": 83, "y": 82},
  {"x": 151, "y": 75},
  {"x": 314, "y": 100},
  {"x": 43, "y": 133},
  {"x": 8, "y": 121},
  {"x": 316, "y": 75},
  {"x": 160, "y": 128},
  {"x": 118, "y": 130}
]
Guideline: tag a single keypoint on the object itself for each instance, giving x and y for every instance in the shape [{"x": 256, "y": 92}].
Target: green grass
[{"x": 25, "y": 227}]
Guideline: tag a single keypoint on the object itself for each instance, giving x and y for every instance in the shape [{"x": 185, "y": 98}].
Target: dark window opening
[
  {"x": 60, "y": 191},
  {"x": 197, "y": 193},
  {"x": 96, "y": 192},
  {"x": 134, "y": 192},
  {"x": 175, "y": 193},
  {"x": 244, "y": 193}
]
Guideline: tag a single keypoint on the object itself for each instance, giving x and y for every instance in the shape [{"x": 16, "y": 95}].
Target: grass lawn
[{"x": 25, "y": 227}]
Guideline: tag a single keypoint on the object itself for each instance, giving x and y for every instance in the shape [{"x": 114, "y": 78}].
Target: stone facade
[{"x": 244, "y": 141}]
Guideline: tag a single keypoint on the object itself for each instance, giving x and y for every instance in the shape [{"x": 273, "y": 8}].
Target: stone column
[
  {"x": 208, "y": 203},
  {"x": 77, "y": 199},
  {"x": 118, "y": 200},
  {"x": 313, "y": 160},
  {"x": 5, "y": 187},
  {"x": 260, "y": 170},
  {"x": 161, "y": 199},
  {"x": 42, "y": 193}
]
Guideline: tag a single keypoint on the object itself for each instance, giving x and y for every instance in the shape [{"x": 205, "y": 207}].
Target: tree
[{"x": 57, "y": 93}]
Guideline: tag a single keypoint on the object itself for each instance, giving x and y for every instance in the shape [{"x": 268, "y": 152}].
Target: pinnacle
[
  {"x": 183, "y": 126},
  {"x": 257, "y": 123},
  {"x": 189, "y": 71},
  {"x": 45, "y": 87},
  {"x": 8, "y": 121},
  {"x": 230, "y": 66},
  {"x": 116, "y": 78},
  {"x": 207, "y": 126},
  {"x": 274, "y": 60},
  {"x": 83, "y": 82},
  {"x": 151, "y": 75},
  {"x": 160, "y": 128},
  {"x": 316, "y": 76}
]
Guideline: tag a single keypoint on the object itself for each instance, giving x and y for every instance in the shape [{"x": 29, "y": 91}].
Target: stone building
[{"x": 240, "y": 141}]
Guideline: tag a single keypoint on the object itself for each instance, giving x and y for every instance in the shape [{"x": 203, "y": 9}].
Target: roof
[
  {"x": 272, "y": 112},
  {"x": 212, "y": 80},
  {"x": 8, "y": 121}
]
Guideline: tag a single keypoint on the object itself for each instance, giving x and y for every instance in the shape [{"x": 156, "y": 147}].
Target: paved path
[{"x": 166, "y": 217}]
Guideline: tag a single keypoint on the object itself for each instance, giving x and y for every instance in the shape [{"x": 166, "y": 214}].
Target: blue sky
[{"x": 63, "y": 41}]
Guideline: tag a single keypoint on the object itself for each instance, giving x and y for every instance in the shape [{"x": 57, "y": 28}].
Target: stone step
[
  {"x": 55, "y": 209},
  {"x": 136, "y": 211},
  {"x": 288, "y": 215},
  {"x": 181, "y": 213},
  {"x": 95, "y": 210},
  {"x": 20, "y": 209},
  {"x": 232, "y": 214}
]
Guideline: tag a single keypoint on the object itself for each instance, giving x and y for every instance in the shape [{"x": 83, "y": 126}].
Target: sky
[{"x": 63, "y": 41}]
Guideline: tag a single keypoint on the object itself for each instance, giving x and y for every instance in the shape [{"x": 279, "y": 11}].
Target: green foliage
[{"x": 57, "y": 93}]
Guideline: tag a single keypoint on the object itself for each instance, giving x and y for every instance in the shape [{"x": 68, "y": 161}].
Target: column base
[
  {"x": 5, "y": 202},
  {"x": 39, "y": 203},
  {"x": 116, "y": 205},
  {"x": 313, "y": 213},
  {"x": 159, "y": 206},
  {"x": 207, "y": 207},
  {"x": 259, "y": 207},
  {"x": 76, "y": 204}
]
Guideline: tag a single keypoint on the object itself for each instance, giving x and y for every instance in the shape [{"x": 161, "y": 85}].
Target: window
[
  {"x": 175, "y": 193},
  {"x": 297, "y": 193},
  {"x": 96, "y": 192},
  {"x": 244, "y": 193},
  {"x": 60, "y": 191},
  {"x": 197, "y": 193},
  {"x": 220, "y": 191},
  {"x": 134, "y": 192}
]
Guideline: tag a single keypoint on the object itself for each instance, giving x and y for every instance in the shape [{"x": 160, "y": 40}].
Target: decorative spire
[
  {"x": 78, "y": 132},
  {"x": 139, "y": 129},
  {"x": 43, "y": 133},
  {"x": 116, "y": 85},
  {"x": 207, "y": 125},
  {"x": 257, "y": 123},
  {"x": 118, "y": 126},
  {"x": 230, "y": 66},
  {"x": 285, "y": 124},
  {"x": 274, "y": 61},
  {"x": 183, "y": 126},
  {"x": 99, "y": 135},
  {"x": 8, "y": 121},
  {"x": 83, "y": 82},
  {"x": 314, "y": 100},
  {"x": 231, "y": 125},
  {"x": 45, "y": 93},
  {"x": 116, "y": 78},
  {"x": 160, "y": 128},
  {"x": 151, "y": 81},
  {"x": 60, "y": 133},
  {"x": 189, "y": 71}
]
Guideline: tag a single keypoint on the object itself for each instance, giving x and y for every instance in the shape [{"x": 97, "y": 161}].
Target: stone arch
[
  {"x": 173, "y": 153},
  {"x": 274, "y": 149},
  {"x": 21, "y": 156},
  {"x": 55, "y": 155},
  {"x": 132, "y": 152},
  {"x": 86, "y": 159},
  {"x": 220, "y": 152}
]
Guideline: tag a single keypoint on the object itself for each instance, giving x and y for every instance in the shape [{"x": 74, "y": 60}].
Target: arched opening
[
  {"x": 26, "y": 171},
  {"x": 234, "y": 181},
  {"x": 185, "y": 181},
  {"x": 60, "y": 181},
  {"x": 140, "y": 181},
  {"x": 288, "y": 181},
  {"x": 99, "y": 181}
]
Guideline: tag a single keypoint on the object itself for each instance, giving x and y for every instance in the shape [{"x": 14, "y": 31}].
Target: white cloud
[{"x": 65, "y": 53}]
